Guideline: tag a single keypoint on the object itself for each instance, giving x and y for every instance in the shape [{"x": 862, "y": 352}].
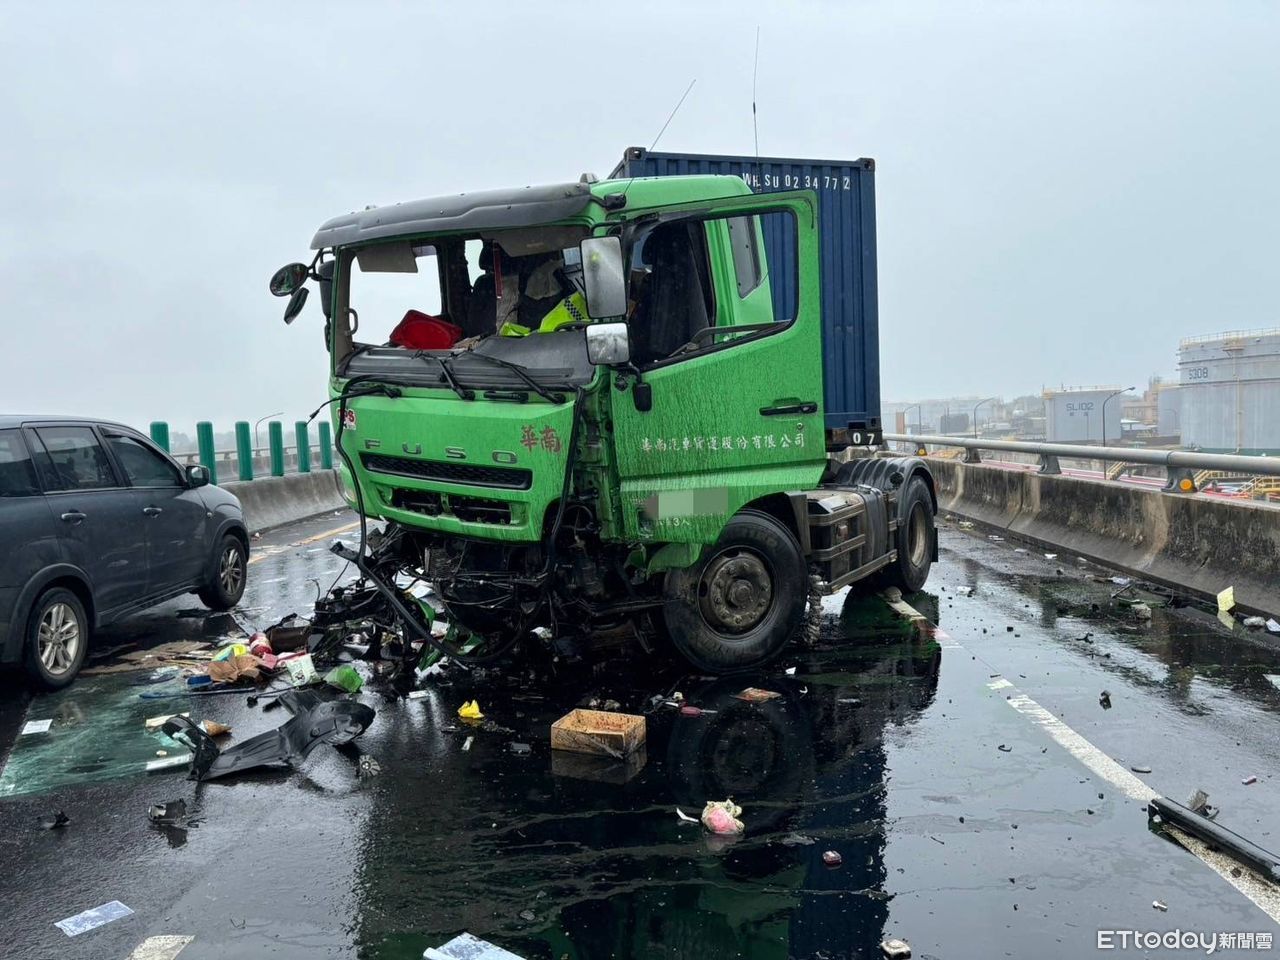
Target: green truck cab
[{"x": 580, "y": 407}]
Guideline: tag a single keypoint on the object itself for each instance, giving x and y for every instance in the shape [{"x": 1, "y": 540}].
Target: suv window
[
  {"x": 142, "y": 465},
  {"x": 76, "y": 458},
  {"x": 17, "y": 473}
]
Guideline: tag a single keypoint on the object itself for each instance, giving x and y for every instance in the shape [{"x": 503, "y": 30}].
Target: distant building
[
  {"x": 1230, "y": 392},
  {"x": 1074, "y": 414}
]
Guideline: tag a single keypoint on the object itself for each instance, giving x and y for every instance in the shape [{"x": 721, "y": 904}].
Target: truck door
[{"x": 736, "y": 390}]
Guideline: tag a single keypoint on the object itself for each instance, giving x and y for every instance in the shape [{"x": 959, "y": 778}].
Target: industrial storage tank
[
  {"x": 1169, "y": 410},
  {"x": 1074, "y": 414},
  {"x": 1230, "y": 386}
]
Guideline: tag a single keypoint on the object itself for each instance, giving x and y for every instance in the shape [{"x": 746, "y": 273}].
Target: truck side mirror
[
  {"x": 606, "y": 287},
  {"x": 288, "y": 279},
  {"x": 295, "y": 304},
  {"x": 608, "y": 344}
]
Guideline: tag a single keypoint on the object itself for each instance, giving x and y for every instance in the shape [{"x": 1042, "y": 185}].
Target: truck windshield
[{"x": 515, "y": 297}]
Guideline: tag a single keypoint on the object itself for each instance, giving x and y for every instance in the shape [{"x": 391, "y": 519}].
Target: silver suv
[{"x": 97, "y": 523}]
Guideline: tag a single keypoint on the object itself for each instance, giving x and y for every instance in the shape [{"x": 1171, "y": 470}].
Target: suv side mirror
[
  {"x": 608, "y": 343},
  {"x": 602, "y": 275},
  {"x": 197, "y": 475}
]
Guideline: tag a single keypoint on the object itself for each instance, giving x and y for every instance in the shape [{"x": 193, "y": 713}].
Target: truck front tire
[
  {"x": 737, "y": 607},
  {"x": 915, "y": 540}
]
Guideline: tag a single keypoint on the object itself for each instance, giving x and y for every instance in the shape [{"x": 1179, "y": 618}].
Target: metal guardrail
[{"x": 1181, "y": 465}]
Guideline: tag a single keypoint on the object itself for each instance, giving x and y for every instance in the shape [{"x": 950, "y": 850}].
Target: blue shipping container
[{"x": 847, "y": 219}]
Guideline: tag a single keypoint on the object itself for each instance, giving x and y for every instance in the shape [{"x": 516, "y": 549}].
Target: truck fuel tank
[{"x": 848, "y": 534}]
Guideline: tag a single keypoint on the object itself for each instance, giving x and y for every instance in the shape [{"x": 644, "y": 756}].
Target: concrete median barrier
[
  {"x": 1197, "y": 544},
  {"x": 274, "y": 501}
]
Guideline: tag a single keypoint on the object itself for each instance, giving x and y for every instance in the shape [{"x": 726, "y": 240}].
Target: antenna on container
[
  {"x": 755, "y": 71},
  {"x": 670, "y": 117}
]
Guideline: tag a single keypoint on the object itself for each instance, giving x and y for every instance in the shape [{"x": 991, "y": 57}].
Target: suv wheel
[
  {"x": 57, "y": 638},
  {"x": 229, "y": 574}
]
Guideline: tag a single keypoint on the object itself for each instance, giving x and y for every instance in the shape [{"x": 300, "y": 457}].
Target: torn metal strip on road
[{"x": 1264, "y": 895}]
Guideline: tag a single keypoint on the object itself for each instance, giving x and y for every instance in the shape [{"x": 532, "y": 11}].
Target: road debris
[
  {"x": 1199, "y": 803},
  {"x": 721, "y": 817},
  {"x": 1254, "y": 623},
  {"x": 301, "y": 670},
  {"x": 470, "y": 710},
  {"x": 1273, "y": 625},
  {"x": 36, "y": 726},
  {"x": 797, "y": 840},
  {"x": 1104, "y": 699},
  {"x": 1227, "y": 600},
  {"x": 965, "y": 591},
  {"x": 1141, "y": 610},
  {"x": 756, "y": 695},
  {"x": 1005, "y": 748},
  {"x": 172, "y": 811},
  {"x": 1162, "y": 907},
  {"x": 1249, "y": 781},
  {"x": 92, "y": 919},
  {"x": 1264, "y": 862},
  {"x": 895, "y": 949},
  {"x": 56, "y": 822},
  {"x": 520, "y": 749},
  {"x": 466, "y": 744},
  {"x": 315, "y": 721},
  {"x": 691, "y": 711},
  {"x": 615, "y": 735},
  {"x": 832, "y": 859},
  {"x": 684, "y": 817},
  {"x": 468, "y": 947},
  {"x": 1140, "y": 768},
  {"x": 345, "y": 677}
]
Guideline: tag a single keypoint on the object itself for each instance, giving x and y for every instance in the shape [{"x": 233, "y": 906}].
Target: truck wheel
[
  {"x": 227, "y": 586},
  {"x": 57, "y": 638},
  {"x": 737, "y": 607},
  {"x": 914, "y": 540}
]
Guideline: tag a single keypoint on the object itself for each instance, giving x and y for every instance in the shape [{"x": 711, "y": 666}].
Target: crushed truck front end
[{"x": 586, "y": 407}]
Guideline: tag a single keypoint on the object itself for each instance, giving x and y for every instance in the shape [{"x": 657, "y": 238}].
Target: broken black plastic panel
[{"x": 335, "y": 722}]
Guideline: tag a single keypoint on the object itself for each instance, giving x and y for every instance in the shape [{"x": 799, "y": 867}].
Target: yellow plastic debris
[
  {"x": 1227, "y": 599},
  {"x": 470, "y": 710}
]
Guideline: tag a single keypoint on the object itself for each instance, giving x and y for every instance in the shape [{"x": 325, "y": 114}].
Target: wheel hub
[
  {"x": 736, "y": 593},
  {"x": 59, "y": 638}
]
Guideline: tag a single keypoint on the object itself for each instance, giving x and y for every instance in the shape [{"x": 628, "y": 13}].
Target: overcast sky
[{"x": 1064, "y": 190}]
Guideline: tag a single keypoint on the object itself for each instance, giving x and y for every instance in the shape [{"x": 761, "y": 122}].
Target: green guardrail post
[
  {"x": 326, "y": 446},
  {"x": 304, "y": 446},
  {"x": 275, "y": 437},
  {"x": 160, "y": 434},
  {"x": 244, "y": 449},
  {"x": 204, "y": 440}
]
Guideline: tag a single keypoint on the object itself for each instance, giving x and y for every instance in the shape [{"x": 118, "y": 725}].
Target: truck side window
[
  {"x": 672, "y": 283},
  {"x": 746, "y": 253},
  {"x": 17, "y": 473}
]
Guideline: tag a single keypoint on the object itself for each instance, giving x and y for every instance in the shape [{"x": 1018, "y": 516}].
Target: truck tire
[
  {"x": 914, "y": 540},
  {"x": 737, "y": 607}
]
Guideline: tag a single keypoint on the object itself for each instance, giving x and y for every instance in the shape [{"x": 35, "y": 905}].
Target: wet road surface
[{"x": 963, "y": 825}]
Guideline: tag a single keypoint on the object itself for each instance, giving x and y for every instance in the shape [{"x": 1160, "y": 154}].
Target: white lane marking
[
  {"x": 265, "y": 553},
  {"x": 164, "y": 947},
  {"x": 1263, "y": 894}
]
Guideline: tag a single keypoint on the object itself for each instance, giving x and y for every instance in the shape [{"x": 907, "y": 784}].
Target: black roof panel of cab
[{"x": 482, "y": 210}]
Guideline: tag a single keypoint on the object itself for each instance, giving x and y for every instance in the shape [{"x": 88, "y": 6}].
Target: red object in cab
[{"x": 421, "y": 331}]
